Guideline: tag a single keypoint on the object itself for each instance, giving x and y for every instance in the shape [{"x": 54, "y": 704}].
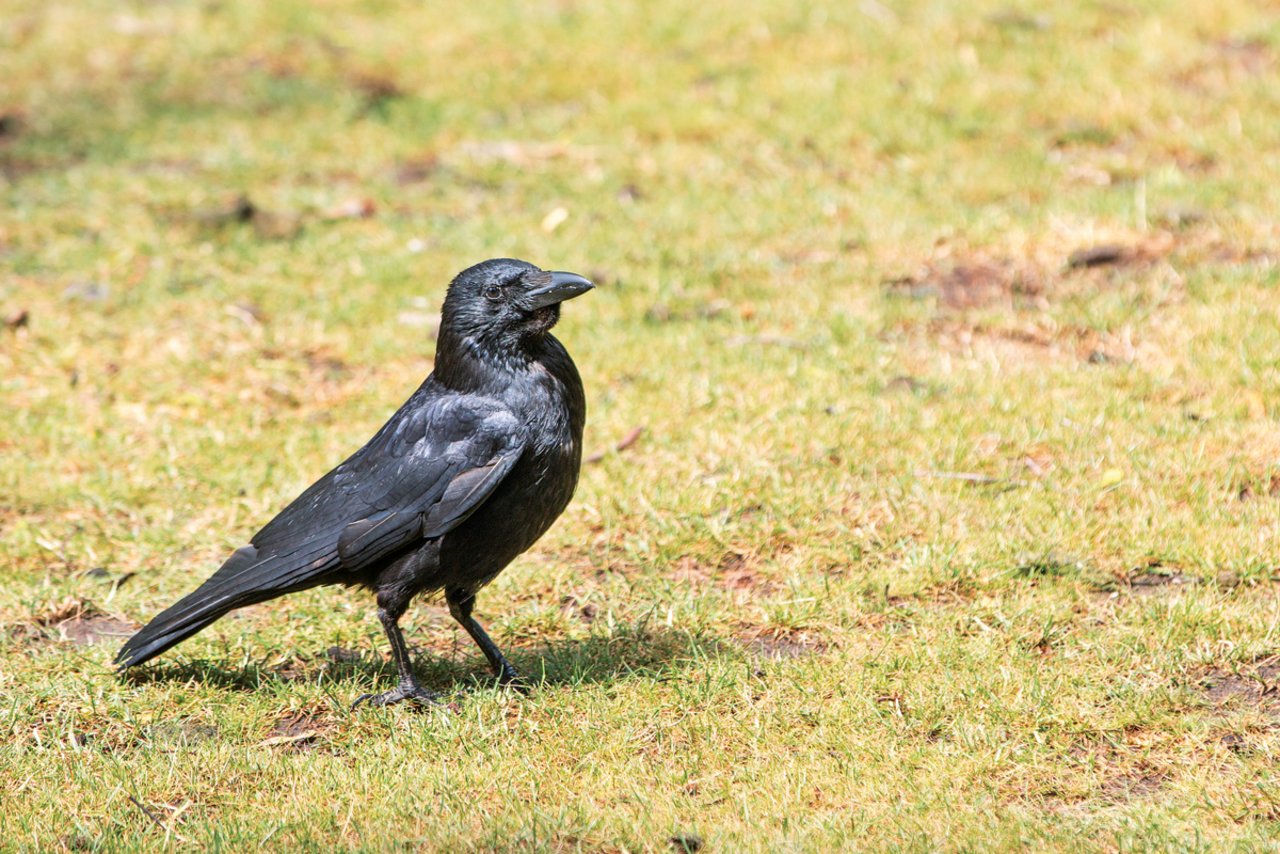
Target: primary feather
[{"x": 423, "y": 473}]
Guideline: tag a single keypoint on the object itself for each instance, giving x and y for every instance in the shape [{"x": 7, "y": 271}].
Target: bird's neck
[{"x": 470, "y": 364}]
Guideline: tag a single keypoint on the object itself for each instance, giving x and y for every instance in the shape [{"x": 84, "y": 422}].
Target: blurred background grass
[{"x": 950, "y": 331}]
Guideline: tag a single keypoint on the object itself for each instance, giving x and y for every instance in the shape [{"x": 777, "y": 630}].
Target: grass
[{"x": 932, "y": 538}]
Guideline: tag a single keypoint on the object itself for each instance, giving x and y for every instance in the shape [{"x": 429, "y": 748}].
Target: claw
[
  {"x": 509, "y": 677},
  {"x": 397, "y": 694}
]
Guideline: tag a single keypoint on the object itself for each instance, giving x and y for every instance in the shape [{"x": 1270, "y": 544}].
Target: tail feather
[{"x": 245, "y": 579}]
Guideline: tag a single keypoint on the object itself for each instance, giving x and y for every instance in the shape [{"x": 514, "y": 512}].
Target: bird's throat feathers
[{"x": 478, "y": 363}]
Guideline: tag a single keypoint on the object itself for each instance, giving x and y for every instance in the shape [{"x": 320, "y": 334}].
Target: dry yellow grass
[{"x": 952, "y": 330}]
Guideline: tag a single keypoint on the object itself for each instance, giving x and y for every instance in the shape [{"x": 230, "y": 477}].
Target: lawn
[{"x": 934, "y": 411}]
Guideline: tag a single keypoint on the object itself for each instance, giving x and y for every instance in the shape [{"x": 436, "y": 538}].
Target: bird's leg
[
  {"x": 408, "y": 689},
  {"x": 460, "y": 605}
]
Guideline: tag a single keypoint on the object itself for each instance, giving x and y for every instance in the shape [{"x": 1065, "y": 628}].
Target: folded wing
[{"x": 437, "y": 460}]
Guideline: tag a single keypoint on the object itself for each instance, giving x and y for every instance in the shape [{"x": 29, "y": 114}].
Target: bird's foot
[
  {"x": 509, "y": 677},
  {"x": 403, "y": 691}
]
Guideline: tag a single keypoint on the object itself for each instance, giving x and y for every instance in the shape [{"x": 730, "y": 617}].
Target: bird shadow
[{"x": 625, "y": 654}]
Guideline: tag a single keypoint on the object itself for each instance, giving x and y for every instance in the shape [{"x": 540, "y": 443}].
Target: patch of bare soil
[
  {"x": 297, "y": 732},
  {"x": 737, "y": 572},
  {"x": 962, "y": 282},
  {"x": 1122, "y": 762},
  {"x": 1224, "y": 64},
  {"x": 1033, "y": 343},
  {"x": 1255, "y": 688},
  {"x": 692, "y": 571},
  {"x": 80, "y": 622},
  {"x": 734, "y": 572},
  {"x": 961, "y": 279},
  {"x": 90, "y": 630},
  {"x": 1135, "y": 784},
  {"x": 975, "y": 282}
]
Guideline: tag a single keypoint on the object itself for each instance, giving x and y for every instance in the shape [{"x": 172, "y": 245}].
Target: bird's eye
[{"x": 493, "y": 292}]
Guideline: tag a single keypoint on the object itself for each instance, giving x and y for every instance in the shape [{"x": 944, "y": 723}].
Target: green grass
[{"x": 931, "y": 540}]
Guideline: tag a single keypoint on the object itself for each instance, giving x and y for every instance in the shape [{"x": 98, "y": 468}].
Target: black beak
[{"x": 562, "y": 286}]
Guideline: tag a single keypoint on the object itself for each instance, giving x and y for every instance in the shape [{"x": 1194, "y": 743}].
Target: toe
[
  {"x": 511, "y": 678},
  {"x": 398, "y": 694},
  {"x": 424, "y": 697}
]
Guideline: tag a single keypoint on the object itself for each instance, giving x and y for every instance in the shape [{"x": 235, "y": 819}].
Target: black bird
[{"x": 469, "y": 473}]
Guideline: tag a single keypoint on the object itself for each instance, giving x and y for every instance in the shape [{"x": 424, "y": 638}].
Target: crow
[{"x": 468, "y": 474}]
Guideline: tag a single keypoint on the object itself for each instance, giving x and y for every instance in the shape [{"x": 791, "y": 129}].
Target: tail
[{"x": 245, "y": 579}]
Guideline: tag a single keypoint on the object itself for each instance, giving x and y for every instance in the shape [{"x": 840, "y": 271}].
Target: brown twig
[{"x": 625, "y": 442}]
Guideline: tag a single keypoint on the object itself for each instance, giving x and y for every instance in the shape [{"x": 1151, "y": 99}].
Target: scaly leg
[
  {"x": 460, "y": 605},
  {"x": 408, "y": 689}
]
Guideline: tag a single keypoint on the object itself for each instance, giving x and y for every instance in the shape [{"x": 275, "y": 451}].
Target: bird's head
[{"x": 504, "y": 305}]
